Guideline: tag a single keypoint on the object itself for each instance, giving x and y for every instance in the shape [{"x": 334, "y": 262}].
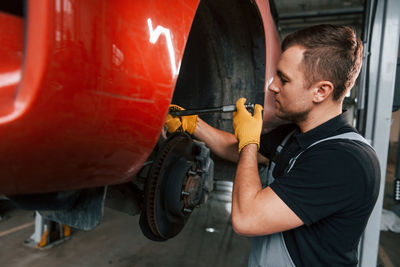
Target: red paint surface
[
  {"x": 273, "y": 51},
  {"x": 11, "y": 40},
  {"x": 94, "y": 91}
]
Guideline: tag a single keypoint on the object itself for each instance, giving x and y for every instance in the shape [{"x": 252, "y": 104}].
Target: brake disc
[{"x": 179, "y": 180}]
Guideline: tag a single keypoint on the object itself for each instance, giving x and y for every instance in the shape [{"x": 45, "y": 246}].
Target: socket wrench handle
[{"x": 223, "y": 109}]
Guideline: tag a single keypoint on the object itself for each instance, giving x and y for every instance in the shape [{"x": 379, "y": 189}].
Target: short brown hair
[{"x": 332, "y": 53}]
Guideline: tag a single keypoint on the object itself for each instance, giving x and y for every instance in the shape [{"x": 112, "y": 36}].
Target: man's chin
[
  {"x": 291, "y": 117},
  {"x": 280, "y": 114}
]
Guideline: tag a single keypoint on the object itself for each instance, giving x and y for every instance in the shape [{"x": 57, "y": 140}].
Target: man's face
[{"x": 293, "y": 101}]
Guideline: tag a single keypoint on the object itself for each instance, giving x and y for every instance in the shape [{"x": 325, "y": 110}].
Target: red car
[{"x": 85, "y": 87}]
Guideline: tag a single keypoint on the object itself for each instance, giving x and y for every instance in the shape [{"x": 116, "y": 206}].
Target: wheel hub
[{"x": 179, "y": 180}]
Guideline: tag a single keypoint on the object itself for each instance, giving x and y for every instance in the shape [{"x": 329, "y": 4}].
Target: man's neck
[{"x": 318, "y": 116}]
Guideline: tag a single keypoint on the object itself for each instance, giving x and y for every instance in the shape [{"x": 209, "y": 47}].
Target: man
[{"x": 323, "y": 177}]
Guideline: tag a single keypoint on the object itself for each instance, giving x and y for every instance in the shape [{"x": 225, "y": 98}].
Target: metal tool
[{"x": 226, "y": 108}]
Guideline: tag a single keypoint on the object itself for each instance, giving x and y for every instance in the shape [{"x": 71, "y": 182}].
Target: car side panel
[{"x": 97, "y": 79}]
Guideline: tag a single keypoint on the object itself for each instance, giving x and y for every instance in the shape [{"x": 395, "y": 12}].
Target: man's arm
[
  {"x": 223, "y": 144},
  {"x": 257, "y": 211}
]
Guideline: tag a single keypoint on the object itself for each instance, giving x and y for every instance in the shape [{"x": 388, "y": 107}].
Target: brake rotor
[{"x": 172, "y": 190}]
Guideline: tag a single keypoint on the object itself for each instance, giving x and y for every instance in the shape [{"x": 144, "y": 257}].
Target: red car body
[{"x": 85, "y": 87}]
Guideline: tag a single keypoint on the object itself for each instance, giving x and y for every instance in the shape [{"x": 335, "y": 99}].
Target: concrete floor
[{"x": 118, "y": 241}]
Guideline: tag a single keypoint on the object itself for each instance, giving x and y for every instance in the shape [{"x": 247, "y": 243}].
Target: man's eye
[{"x": 283, "y": 81}]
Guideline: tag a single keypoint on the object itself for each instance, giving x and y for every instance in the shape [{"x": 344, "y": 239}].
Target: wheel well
[{"x": 224, "y": 59}]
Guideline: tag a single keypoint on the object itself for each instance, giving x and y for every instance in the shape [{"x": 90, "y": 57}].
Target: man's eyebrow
[{"x": 282, "y": 75}]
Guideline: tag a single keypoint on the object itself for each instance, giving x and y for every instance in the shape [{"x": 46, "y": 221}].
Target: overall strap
[
  {"x": 270, "y": 178},
  {"x": 280, "y": 147},
  {"x": 347, "y": 136},
  {"x": 269, "y": 251}
]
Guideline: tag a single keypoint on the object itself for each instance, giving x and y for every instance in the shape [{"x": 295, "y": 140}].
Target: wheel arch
[{"x": 224, "y": 59}]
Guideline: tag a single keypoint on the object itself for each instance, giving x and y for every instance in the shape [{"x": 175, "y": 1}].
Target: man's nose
[{"x": 273, "y": 87}]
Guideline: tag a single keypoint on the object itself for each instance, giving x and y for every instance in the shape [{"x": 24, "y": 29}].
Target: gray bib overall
[{"x": 271, "y": 250}]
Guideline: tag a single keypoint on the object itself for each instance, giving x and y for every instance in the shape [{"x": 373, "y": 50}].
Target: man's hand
[
  {"x": 247, "y": 128},
  {"x": 188, "y": 123}
]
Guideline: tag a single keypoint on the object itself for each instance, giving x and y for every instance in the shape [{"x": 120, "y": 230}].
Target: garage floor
[
  {"x": 207, "y": 240},
  {"x": 118, "y": 241}
]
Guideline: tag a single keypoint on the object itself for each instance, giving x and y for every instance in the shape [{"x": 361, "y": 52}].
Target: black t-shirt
[{"x": 332, "y": 188}]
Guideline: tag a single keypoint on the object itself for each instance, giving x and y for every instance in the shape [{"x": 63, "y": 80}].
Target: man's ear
[{"x": 322, "y": 90}]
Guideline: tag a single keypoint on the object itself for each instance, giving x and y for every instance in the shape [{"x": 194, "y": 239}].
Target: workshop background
[{"x": 207, "y": 238}]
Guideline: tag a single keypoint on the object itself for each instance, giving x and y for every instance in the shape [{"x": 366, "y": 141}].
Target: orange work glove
[
  {"x": 247, "y": 128},
  {"x": 188, "y": 123}
]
